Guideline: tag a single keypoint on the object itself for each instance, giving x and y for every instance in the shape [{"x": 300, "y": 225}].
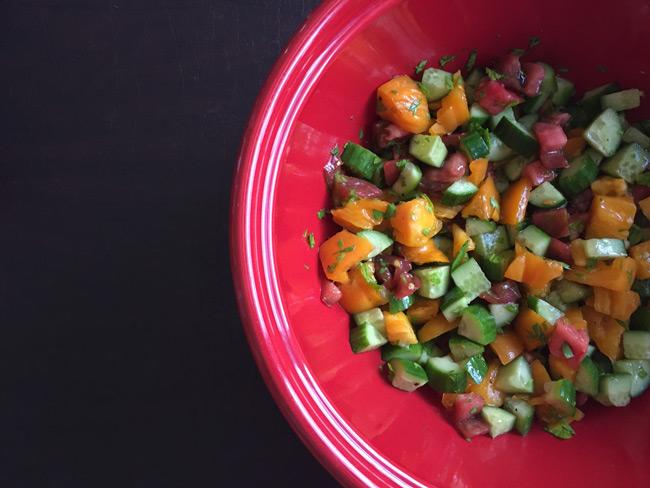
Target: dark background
[{"x": 122, "y": 358}]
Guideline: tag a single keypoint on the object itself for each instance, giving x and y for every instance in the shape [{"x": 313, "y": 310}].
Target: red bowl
[{"x": 321, "y": 93}]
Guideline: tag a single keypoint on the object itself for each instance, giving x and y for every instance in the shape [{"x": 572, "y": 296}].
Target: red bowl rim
[{"x": 332, "y": 441}]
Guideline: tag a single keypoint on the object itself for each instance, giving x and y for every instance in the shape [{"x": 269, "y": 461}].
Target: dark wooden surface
[{"x": 122, "y": 359}]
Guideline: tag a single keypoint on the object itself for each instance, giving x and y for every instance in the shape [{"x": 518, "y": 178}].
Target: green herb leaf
[
  {"x": 335, "y": 150},
  {"x": 561, "y": 430},
  {"x": 321, "y": 214},
  {"x": 533, "y": 41},
  {"x": 309, "y": 236},
  {"x": 390, "y": 211},
  {"x": 378, "y": 215},
  {"x": 446, "y": 60},
  {"x": 493, "y": 75},
  {"x": 471, "y": 61},
  {"x": 426, "y": 231},
  {"x": 414, "y": 106},
  {"x": 461, "y": 257},
  {"x": 420, "y": 66}
]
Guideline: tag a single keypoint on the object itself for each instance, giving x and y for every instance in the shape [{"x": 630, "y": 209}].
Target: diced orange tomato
[
  {"x": 485, "y": 204},
  {"x": 460, "y": 238},
  {"x": 442, "y": 211},
  {"x": 605, "y": 331},
  {"x": 641, "y": 254},
  {"x": 341, "y": 252},
  {"x": 617, "y": 276},
  {"x": 360, "y": 214},
  {"x": 608, "y": 186},
  {"x": 361, "y": 293},
  {"x": 540, "y": 377},
  {"x": 533, "y": 270},
  {"x": 401, "y": 101},
  {"x": 560, "y": 368},
  {"x": 574, "y": 147},
  {"x": 398, "y": 329},
  {"x": 435, "y": 327},
  {"x": 414, "y": 222},
  {"x": 487, "y": 390},
  {"x": 453, "y": 112},
  {"x": 427, "y": 253},
  {"x": 617, "y": 304},
  {"x": 477, "y": 171},
  {"x": 448, "y": 400},
  {"x": 422, "y": 310},
  {"x": 507, "y": 346},
  {"x": 575, "y": 318},
  {"x": 578, "y": 252},
  {"x": 610, "y": 217},
  {"x": 515, "y": 201},
  {"x": 532, "y": 329}
]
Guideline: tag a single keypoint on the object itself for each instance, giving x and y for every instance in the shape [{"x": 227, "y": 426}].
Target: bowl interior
[{"x": 406, "y": 438}]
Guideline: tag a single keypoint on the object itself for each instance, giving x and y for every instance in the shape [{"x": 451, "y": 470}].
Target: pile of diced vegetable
[{"x": 496, "y": 244}]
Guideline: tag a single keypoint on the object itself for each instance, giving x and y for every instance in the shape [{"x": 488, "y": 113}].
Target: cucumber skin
[
  {"x": 477, "y": 315},
  {"x": 454, "y": 382},
  {"x": 576, "y": 181}
]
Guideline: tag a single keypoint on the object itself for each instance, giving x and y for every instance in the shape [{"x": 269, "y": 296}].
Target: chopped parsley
[
  {"x": 561, "y": 430},
  {"x": 420, "y": 66},
  {"x": 321, "y": 214},
  {"x": 309, "y": 237},
  {"x": 471, "y": 61},
  {"x": 378, "y": 214},
  {"x": 426, "y": 231},
  {"x": 390, "y": 211},
  {"x": 446, "y": 60},
  {"x": 492, "y": 74},
  {"x": 533, "y": 41},
  {"x": 335, "y": 150},
  {"x": 461, "y": 256},
  {"x": 414, "y": 106}
]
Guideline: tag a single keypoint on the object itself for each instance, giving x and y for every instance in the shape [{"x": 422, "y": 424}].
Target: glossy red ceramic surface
[{"x": 320, "y": 94}]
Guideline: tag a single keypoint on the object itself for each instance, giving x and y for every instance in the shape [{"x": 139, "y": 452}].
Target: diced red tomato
[
  {"x": 391, "y": 171},
  {"x": 510, "y": 67},
  {"x": 577, "y": 340},
  {"x": 329, "y": 293},
  {"x": 581, "y": 202},
  {"x": 452, "y": 140},
  {"x": 437, "y": 179},
  {"x": 639, "y": 192},
  {"x": 346, "y": 186},
  {"x": 552, "y": 140},
  {"x": 503, "y": 292},
  {"x": 406, "y": 285},
  {"x": 581, "y": 398},
  {"x": 537, "y": 173},
  {"x": 384, "y": 132},
  {"x": 534, "y": 73},
  {"x": 472, "y": 427},
  {"x": 560, "y": 251},
  {"x": 467, "y": 405},
  {"x": 577, "y": 223},
  {"x": 554, "y": 159},
  {"x": 493, "y": 96},
  {"x": 554, "y": 222}
]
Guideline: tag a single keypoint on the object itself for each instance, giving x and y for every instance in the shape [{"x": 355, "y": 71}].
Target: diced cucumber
[
  {"x": 459, "y": 192},
  {"x": 443, "y": 243},
  {"x": 499, "y": 420},
  {"x": 475, "y": 367},
  {"x": 535, "y": 239},
  {"x": 503, "y": 313},
  {"x": 561, "y": 430},
  {"x": 454, "y": 303},
  {"x": 529, "y": 120},
  {"x": 549, "y": 84},
  {"x": 602, "y": 361},
  {"x": 554, "y": 299},
  {"x": 615, "y": 389},
  {"x": 622, "y": 100},
  {"x": 437, "y": 83},
  {"x": 561, "y": 395},
  {"x": 410, "y": 352},
  {"x": 430, "y": 350},
  {"x": 546, "y": 196},
  {"x": 477, "y": 115},
  {"x": 489, "y": 243},
  {"x": 462, "y": 348},
  {"x": 469, "y": 277},
  {"x": 474, "y": 226},
  {"x": 629, "y": 162},
  {"x": 523, "y": 413},
  {"x": 379, "y": 241},
  {"x": 494, "y": 266},
  {"x": 409, "y": 178},
  {"x": 445, "y": 375},
  {"x": 639, "y": 370},
  {"x": 428, "y": 149},
  {"x": 513, "y": 230},
  {"x": 360, "y": 161},
  {"x": 474, "y": 146},
  {"x": 588, "y": 377},
  {"x": 477, "y": 325},
  {"x": 406, "y": 375},
  {"x": 515, "y": 377},
  {"x": 514, "y": 167},
  {"x": 434, "y": 281},
  {"x": 564, "y": 92},
  {"x": 579, "y": 176},
  {"x": 498, "y": 150},
  {"x": 632, "y": 134},
  {"x": 640, "y": 319},
  {"x": 604, "y": 248},
  {"x": 400, "y": 304},
  {"x": 495, "y": 119},
  {"x": 544, "y": 309},
  {"x": 604, "y": 134},
  {"x": 373, "y": 317},
  {"x": 638, "y": 234},
  {"x": 365, "y": 337},
  {"x": 516, "y": 137},
  {"x": 571, "y": 292},
  {"x": 591, "y": 101},
  {"x": 636, "y": 344}
]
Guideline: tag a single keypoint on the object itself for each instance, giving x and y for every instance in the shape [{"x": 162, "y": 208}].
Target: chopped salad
[{"x": 495, "y": 243}]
